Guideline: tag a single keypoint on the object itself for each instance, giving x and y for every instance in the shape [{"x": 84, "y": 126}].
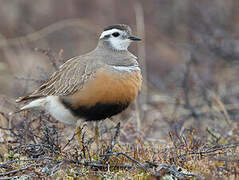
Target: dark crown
[{"x": 121, "y": 27}]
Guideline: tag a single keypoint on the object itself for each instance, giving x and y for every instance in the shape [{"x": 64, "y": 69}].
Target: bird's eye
[{"x": 116, "y": 34}]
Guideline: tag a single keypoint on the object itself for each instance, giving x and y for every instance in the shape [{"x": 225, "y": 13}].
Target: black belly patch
[{"x": 97, "y": 112}]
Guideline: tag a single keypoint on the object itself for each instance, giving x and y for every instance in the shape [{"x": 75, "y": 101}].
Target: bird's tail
[
  {"x": 28, "y": 97},
  {"x": 34, "y": 104}
]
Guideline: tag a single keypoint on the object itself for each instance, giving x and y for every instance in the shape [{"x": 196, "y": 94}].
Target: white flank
[{"x": 54, "y": 107}]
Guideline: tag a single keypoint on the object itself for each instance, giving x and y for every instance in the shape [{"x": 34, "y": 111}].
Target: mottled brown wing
[{"x": 69, "y": 78}]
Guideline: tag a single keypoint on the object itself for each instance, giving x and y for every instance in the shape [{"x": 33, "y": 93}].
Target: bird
[{"x": 93, "y": 86}]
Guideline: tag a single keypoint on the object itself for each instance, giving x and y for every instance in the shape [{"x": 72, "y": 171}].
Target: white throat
[{"x": 117, "y": 43}]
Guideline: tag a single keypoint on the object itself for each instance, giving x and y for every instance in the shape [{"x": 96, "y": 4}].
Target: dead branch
[
  {"x": 117, "y": 127},
  {"x": 20, "y": 170},
  {"x": 69, "y": 140},
  {"x": 186, "y": 88},
  {"x": 211, "y": 150},
  {"x": 24, "y": 160},
  {"x": 127, "y": 156},
  {"x": 172, "y": 169}
]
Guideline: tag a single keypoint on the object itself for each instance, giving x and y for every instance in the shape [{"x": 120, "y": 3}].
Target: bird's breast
[
  {"x": 107, "y": 94},
  {"x": 111, "y": 85}
]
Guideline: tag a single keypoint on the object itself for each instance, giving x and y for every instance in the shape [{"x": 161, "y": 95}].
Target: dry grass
[{"x": 38, "y": 147}]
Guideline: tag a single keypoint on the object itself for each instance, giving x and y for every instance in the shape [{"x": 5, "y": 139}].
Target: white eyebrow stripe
[
  {"x": 108, "y": 32},
  {"x": 127, "y": 68}
]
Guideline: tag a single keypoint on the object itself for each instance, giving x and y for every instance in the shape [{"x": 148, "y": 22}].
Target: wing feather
[{"x": 70, "y": 77}]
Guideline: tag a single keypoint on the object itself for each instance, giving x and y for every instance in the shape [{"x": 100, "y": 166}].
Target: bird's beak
[{"x": 134, "y": 38}]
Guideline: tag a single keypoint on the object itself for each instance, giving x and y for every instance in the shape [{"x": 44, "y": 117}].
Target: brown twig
[
  {"x": 98, "y": 165},
  {"x": 113, "y": 142},
  {"x": 127, "y": 156},
  {"x": 24, "y": 160},
  {"x": 211, "y": 150},
  {"x": 7, "y": 129},
  {"x": 186, "y": 88},
  {"x": 69, "y": 140},
  {"x": 20, "y": 170},
  {"x": 213, "y": 135},
  {"x": 172, "y": 169}
]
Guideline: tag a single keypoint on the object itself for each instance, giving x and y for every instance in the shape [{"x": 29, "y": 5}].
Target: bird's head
[{"x": 118, "y": 36}]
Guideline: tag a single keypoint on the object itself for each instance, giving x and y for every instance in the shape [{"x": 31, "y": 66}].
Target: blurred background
[{"x": 189, "y": 55}]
